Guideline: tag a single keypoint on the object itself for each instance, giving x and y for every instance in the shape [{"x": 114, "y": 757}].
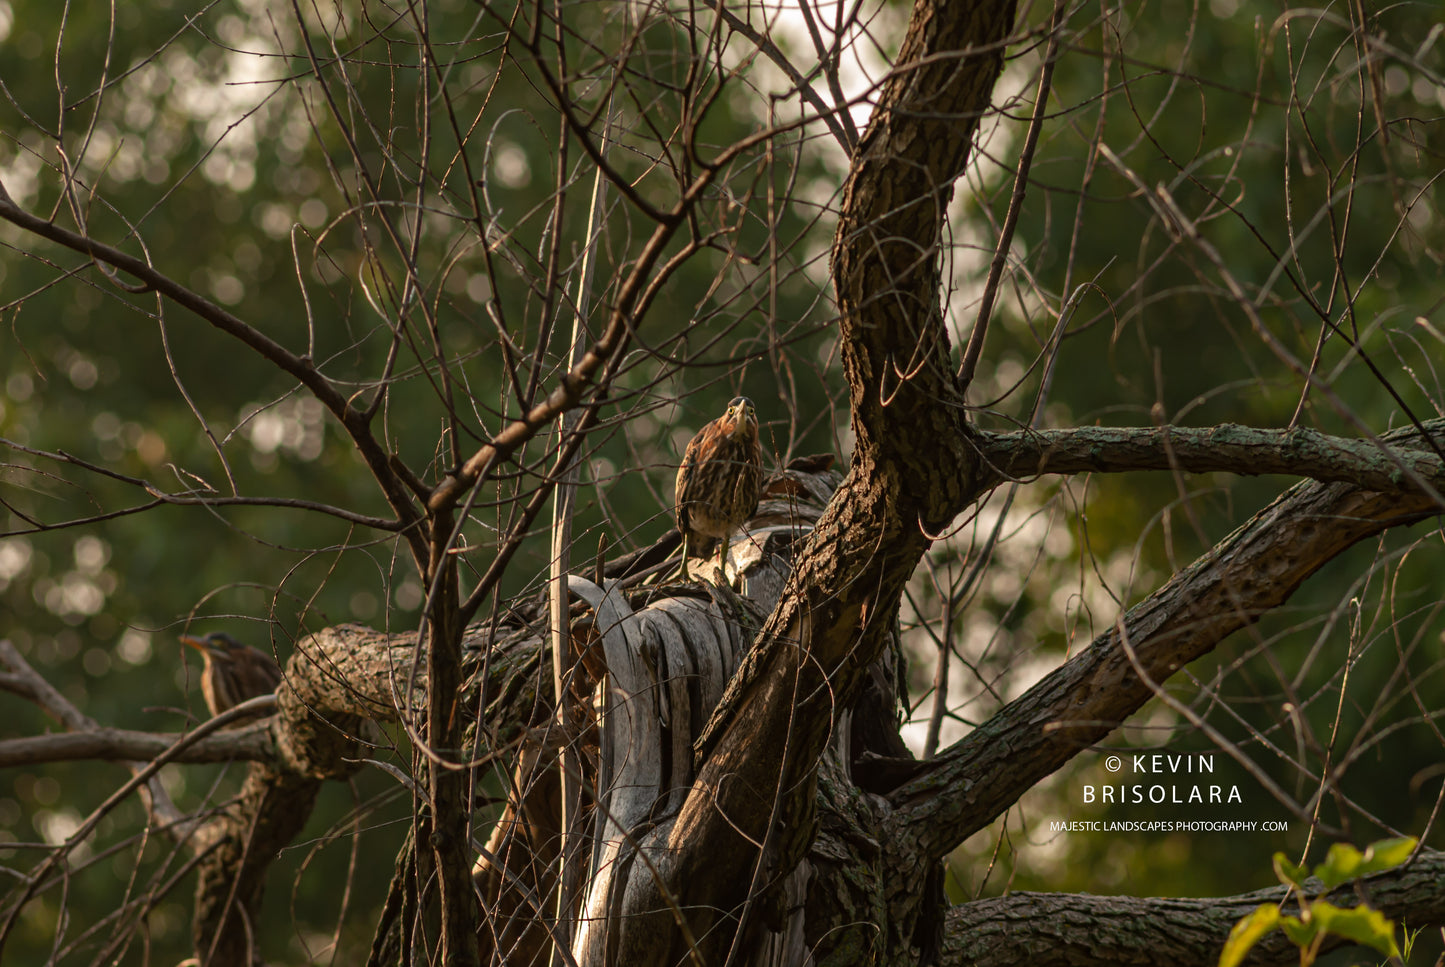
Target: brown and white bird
[
  {"x": 720, "y": 480},
  {"x": 233, "y": 672}
]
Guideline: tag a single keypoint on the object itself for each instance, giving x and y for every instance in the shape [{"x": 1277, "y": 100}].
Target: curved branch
[
  {"x": 841, "y": 125},
  {"x": 301, "y": 367},
  {"x": 190, "y": 498},
  {"x": 1078, "y": 930},
  {"x": 1246, "y": 575},
  {"x": 337, "y": 681},
  {"x": 142, "y": 774},
  {"x": 911, "y": 471}
]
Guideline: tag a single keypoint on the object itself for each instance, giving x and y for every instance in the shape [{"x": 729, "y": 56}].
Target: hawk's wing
[{"x": 685, "y": 487}]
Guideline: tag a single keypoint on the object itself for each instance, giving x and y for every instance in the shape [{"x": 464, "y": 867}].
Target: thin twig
[{"x": 974, "y": 349}]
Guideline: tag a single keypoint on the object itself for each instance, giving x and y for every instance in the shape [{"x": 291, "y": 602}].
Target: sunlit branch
[{"x": 1400, "y": 464}]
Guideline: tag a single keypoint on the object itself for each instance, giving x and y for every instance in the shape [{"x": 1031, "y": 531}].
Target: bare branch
[
  {"x": 1040, "y": 929},
  {"x": 192, "y": 498},
  {"x": 25, "y": 681},
  {"x": 300, "y": 367},
  {"x": 1300, "y": 451},
  {"x": 1247, "y": 575},
  {"x": 120, "y": 745}
]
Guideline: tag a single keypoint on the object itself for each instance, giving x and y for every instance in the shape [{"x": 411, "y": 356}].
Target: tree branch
[
  {"x": 121, "y": 745},
  {"x": 26, "y": 682},
  {"x": 1234, "y": 449},
  {"x": 189, "y": 498},
  {"x": 301, "y": 367},
  {"x": 1246, "y": 575},
  {"x": 911, "y": 471},
  {"x": 1078, "y": 930},
  {"x": 143, "y": 773}
]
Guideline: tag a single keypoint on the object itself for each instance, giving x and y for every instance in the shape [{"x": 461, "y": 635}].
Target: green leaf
[
  {"x": 1341, "y": 865},
  {"x": 1246, "y": 933},
  {"x": 1345, "y": 863},
  {"x": 1387, "y": 854},
  {"x": 1359, "y": 924},
  {"x": 1288, "y": 873},
  {"x": 1301, "y": 933}
]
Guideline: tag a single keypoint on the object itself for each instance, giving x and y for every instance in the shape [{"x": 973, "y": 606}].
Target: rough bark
[
  {"x": 315, "y": 735},
  {"x": 865, "y": 888},
  {"x": 1078, "y": 930},
  {"x": 1407, "y": 463},
  {"x": 271, "y": 810},
  {"x": 1249, "y": 573},
  {"x": 912, "y": 470},
  {"x": 336, "y": 681},
  {"x": 876, "y": 854}
]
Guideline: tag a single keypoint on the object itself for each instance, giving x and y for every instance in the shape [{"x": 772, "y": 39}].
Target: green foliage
[
  {"x": 1344, "y": 863},
  {"x": 1318, "y": 918},
  {"x": 1248, "y": 932}
]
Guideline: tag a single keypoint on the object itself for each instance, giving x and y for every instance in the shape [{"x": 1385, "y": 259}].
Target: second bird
[
  {"x": 720, "y": 479},
  {"x": 234, "y": 672}
]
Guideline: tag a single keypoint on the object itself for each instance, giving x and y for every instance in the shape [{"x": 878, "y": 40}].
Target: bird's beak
[{"x": 200, "y": 645}]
